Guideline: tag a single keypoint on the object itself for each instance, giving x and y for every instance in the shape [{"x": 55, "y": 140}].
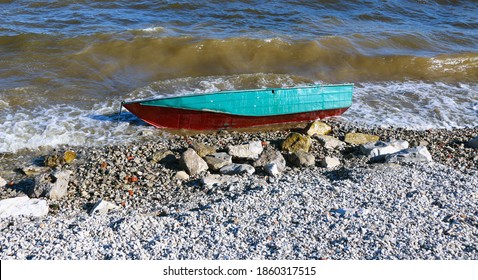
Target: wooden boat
[{"x": 244, "y": 108}]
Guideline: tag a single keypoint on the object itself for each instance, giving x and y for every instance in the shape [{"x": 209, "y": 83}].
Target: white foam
[
  {"x": 59, "y": 125},
  {"x": 154, "y": 29},
  {"x": 415, "y": 105},
  {"x": 453, "y": 64}
]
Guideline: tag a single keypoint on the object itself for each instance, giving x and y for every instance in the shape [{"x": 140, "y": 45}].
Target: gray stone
[
  {"x": 218, "y": 160},
  {"x": 329, "y": 142},
  {"x": 473, "y": 143},
  {"x": 329, "y": 162},
  {"x": 348, "y": 212},
  {"x": 251, "y": 150},
  {"x": 163, "y": 156},
  {"x": 102, "y": 207},
  {"x": 379, "y": 149},
  {"x": 236, "y": 168},
  {"x": 53, "y": 186},
  {"x": 272, "y": 162},
  {"x": 23, "y": 206},
  {"x": 192, "y": 162},
  {"x": 416, "y": 154},
  {"x": 301, "y": 158}
]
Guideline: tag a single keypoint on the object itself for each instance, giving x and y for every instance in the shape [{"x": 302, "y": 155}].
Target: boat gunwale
[{"x": 233, "y": 91}]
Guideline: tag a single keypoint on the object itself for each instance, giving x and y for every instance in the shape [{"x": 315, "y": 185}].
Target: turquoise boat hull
[{"x": 244, "y": 108}]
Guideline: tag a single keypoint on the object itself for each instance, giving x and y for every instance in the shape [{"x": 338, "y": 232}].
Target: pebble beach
[
  {"x": 395, "y": 177},
  {"x": 357, "y": 209}
]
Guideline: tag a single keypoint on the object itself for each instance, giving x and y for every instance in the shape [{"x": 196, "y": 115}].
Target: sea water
[{"x": 65, "y": 66}]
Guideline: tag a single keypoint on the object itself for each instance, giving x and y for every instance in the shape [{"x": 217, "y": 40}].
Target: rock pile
[
  {"x": 293, "y": 151},
  {"x": 247, "y": 157}
]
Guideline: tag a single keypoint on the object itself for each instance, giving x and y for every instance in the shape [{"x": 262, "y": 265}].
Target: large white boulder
[
  {"x": 416, "y": 154},
  {"x": 381, "y": 148},
  {"x": 23, "y": 206}
]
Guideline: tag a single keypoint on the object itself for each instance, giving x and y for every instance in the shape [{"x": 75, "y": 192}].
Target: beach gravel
[{"x": 357, "y": 210}]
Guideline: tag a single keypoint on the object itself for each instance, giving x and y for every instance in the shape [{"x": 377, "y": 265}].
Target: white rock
[
  {"x": 23, "y": 206},
  {"x": 212, "y": 180},
  {"x": 102, "y": 207},
  {"x": 330, "y": 162},
  {"x": 381, "y": 148},
  {"x": 272, "y": 169},
  {"x": 192, "y": 162},
  {"x": 3, "y": 182},
  {"x": 181, "y": 175},
  {"x": 416, "y": 154},
  {"x": 236, "y": 168},
  {"x": 473, "y": 143},
  {"x": 246, "y": 151}
]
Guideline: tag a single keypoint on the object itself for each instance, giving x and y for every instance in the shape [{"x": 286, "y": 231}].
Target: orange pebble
[
  {"x": 104, "y": 165},
  {"x": 134, "y": 179},
  {"x": 11, "y": 183},
  {"x": 131, "y": 192},
  {"x": 130, "y": 157}
]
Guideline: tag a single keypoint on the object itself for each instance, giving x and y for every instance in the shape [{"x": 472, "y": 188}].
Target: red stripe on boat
[{"x": 173, "y": 118}]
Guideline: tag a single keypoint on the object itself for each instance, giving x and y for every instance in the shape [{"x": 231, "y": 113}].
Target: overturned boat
[{"x": 244, "y": 108}]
